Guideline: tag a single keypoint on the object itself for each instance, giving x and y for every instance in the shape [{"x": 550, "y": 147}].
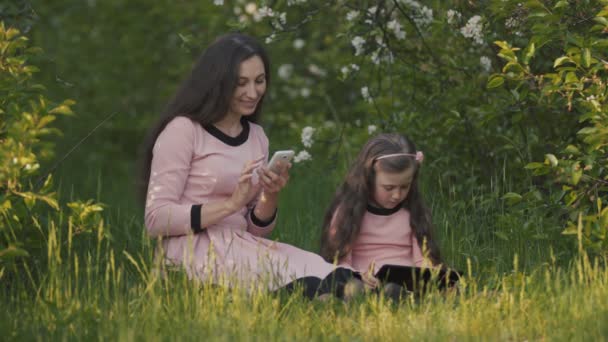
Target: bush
[{"x": 29, "y": 211}]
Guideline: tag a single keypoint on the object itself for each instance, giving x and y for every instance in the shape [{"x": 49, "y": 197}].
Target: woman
[{"x": 208, "y": 191}]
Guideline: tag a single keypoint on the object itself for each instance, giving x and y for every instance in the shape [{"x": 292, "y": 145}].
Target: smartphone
[{"x": 284, "y": 156}]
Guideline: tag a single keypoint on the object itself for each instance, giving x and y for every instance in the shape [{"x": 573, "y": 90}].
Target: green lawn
[{"x": 107, "y": 288}]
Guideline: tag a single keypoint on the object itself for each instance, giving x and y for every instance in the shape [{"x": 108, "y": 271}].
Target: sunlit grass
[{"x": 109, "y": 286}]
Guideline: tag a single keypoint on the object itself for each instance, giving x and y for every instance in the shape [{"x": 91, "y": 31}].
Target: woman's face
[
  {"x": 250, "y": 88},
  {"x": 391, "y": 188}
]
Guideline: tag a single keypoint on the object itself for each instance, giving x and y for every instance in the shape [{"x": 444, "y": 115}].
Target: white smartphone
[{"x": 284, "y": 156}]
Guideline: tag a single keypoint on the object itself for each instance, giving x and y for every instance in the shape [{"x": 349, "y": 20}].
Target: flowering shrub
[{"x": 434, "y": 72}]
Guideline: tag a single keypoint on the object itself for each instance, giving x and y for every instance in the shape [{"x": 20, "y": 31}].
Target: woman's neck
[{"x": 230, "y": 125}]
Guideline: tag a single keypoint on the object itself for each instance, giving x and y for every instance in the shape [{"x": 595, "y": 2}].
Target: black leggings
[{"x": 334, "y": 283}]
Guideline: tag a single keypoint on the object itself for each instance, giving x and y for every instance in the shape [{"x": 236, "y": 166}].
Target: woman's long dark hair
[
  {"x": 352, "y": 196},
  {"x": 205, "y": 95}
]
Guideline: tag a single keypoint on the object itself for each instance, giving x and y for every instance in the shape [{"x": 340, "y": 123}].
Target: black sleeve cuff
[
  {"x": 261, "y": 223},
  {"x": 195, "y": 218}
]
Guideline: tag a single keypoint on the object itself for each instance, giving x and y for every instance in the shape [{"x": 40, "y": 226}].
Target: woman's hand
[
  {"x": 245, "y": 189},
  {"x": 369, "y": 280},
  {"x": 273, "y": 181}
]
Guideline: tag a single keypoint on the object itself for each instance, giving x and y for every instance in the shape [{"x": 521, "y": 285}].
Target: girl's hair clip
[{"x": 419, "y": 156}]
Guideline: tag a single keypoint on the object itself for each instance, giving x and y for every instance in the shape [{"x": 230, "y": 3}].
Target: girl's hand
[
  {"x": 273, "y": 181},
  {"x": 369, "y": 280},
  {"x": 245, "y": 190}
]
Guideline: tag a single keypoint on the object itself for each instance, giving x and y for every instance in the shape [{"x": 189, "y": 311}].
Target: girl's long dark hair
[
  {"x": 352, "y": 196},
  {"x": 205, "y": 95}
]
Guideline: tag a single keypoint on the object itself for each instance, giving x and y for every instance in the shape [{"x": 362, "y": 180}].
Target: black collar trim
[
  {"x": 383, "y": 211},
  {"x": 228, "y": 140}
]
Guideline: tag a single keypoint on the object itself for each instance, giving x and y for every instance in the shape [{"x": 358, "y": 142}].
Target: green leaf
[
  {"x": 534, "y": 165},
  {"x": 502, "y": 235},
  {"x": 571, "y": 78},
  {"x": 12, "y": 252},
  {"x": 562, "y": 60},
  {"x": 586, "y": 57},
  {"x": 572, "y": 149},
  {"x": 529, "y": 53},
  {"x": 587, "y": 130},
  {"x": 495, "y": 81},
  {"x": 52, "y": 202},
  {"x": 538, "y": 14},
  {"x": 570, "y": 230},
  {"x": 601, "y": 20},
  {"x": 512, "y": 198},
  {"x": 576, "y": 176},
  {"x": 551, "y": 159},
  {"x": 45, "y": 120},
  {"x": 561, "y": 3},
  {"x": 61, "y": 109},
  {"x": 502, "y": 44}
]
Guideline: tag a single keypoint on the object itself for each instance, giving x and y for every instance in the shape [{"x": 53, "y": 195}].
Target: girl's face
[
  {"x": 250, "y": 88},
  {"x": 391, "y": 188}
]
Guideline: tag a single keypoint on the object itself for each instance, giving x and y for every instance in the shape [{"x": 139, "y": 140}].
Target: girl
[
  {"x": 377, "y": 216},
  {"x": 208, "y": 192}
]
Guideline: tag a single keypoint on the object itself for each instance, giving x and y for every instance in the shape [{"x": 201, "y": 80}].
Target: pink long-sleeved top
[
  {"x": 194, "y": 165},
  {"x": 385, "y": 238}
]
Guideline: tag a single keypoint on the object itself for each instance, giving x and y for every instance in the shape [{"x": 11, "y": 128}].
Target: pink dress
[
  {"x": 192, "y": 166},
  {"x": 385, "y": 238}
]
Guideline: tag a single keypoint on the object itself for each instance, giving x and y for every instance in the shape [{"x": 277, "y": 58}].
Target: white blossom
[
  {"x": 298, "y": 44},
  {"x": 270, "y": 38},
  {"x": 372, "y": 10},
  {"x": 218, "y": 2},
  {"x": 305, "y": 92},
  {"x": 424, "y": 16},
  {"x": 371, "y": 129},
  {"x": 365, "y": 93},
  {"x": 302, "y": 156},
  {"x": 453, "y": 16},
  {"x": 352, "y": 15},
  {"x": 411, "y": 3},
  {"x": 357, "y": 43},
  {"x": 306, "y": 135},
  {"x": 295, "y": 2},
  {"x": 473, "y": 29},
  {"x": 375, "y": 57},
  {"x": 511, "y": 23},
  {"x": 285, "y": 71},
  {"x": 345, "y": 71},
  {"x": 315, "y": 70},
  {"x": 265, "y": 12},
  {"x": 283, "y": 18},
  {"x": 486, "y": 63},
  {"x": 395, "y": 26},
  {"x": 251, "y": 8}
]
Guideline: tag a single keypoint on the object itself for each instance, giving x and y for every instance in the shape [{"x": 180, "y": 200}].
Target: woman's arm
[{"x": 172, "y": 155}]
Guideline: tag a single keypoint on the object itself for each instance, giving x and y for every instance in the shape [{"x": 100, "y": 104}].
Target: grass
[{"x": 107, "y": 286}]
